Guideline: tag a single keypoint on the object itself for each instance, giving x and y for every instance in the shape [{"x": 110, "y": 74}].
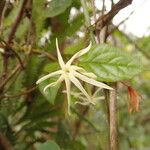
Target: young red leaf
[{"x": 134, "y": 99}]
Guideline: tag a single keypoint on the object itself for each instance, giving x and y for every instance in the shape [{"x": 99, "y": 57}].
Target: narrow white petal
[
  {"x": 79, "y": 86},
  {"x": 96, "y": 92},
  {"x": 92, "y": 81},
  {"x": 49, "y": 75},
  {"x": 49, "y": 85},
  {"x": 89, "y": 74},
  {"x": 60, "y": 59},
  {"x": 67, "y": 81},
  {"x": 77, "y": 68},
  {"x": 78, "y": 54},
  {"x": 54, "y": 83},
  {"x": 84, "y": 72}
]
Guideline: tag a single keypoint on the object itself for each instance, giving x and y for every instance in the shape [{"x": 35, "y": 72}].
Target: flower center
[{"x": 66, "y": 70}]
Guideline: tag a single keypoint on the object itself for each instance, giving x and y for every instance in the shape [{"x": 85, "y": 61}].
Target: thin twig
[
  {"x": 103, "y": 7},
  {"x": 105, "y": 19},
  {"x": 94, "y": 14},
  {"x": 5, "y": 81},
  {"x": 3, "y": 15},
  {"x": 7, "y": 46},
  {"x": 11, "y": 36},
  {"x": 19, "y": 94},
  {"x": 122, "y": 22},
  {"x": 50, "y": 56},
  {"x": 4, "y": 143},
  {"x": 17, "y": 21},
  {"x": 94, "y": 9},
  {"x": 87, "y": 19}
]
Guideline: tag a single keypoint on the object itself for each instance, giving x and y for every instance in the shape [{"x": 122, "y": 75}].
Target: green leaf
[
  {"x": 43, "y": 9},
  {"x": 145, "y": 45},
  {"x": 56, "y": 7},
  {"x": 75, "y": 47},
  {"x": 49, "y": 145},
  {"x": 51, "y": 92},
  {"x": 110, "y": 64},
  {"x": 51, "y": 67}
]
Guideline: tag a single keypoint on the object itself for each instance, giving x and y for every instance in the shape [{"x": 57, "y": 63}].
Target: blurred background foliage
[{"x": 28, "y": 117}]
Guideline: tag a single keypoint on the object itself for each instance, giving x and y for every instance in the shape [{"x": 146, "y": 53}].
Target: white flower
[{"x": 71, "y": 73}]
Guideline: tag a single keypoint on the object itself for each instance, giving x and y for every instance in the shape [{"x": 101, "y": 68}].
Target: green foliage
[
  {"x": 56, "y": 7},
  {"x": 22, "y": 30},
  {"x": 49, "y": 145},
  {"x": 72, "y": 49},
  {"x": 145, "y": 45},
  {"x": 34, "y": 67},
  {"x": 51, "y": 93},
  {"x": 33, "y": 120},
  {"x": 110, "y": 64},
  {"x": 43, "y": 10}
]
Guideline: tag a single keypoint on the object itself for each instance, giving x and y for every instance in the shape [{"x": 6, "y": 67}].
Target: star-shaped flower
[{"x": 71, "y": 73}]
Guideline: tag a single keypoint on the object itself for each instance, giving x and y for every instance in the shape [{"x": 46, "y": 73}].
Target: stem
[
  {"x": 11, "y": 36},
  {"x": 19, "y": 94},
  {"x": 5, "y": 143},
  {"x": 17, "y": 21},
  {"x": 87, "y": 19},
  {"x": 106, "y": 93},
  {"x": 113, "y": 129},
  {"x": 5, "y": 81},
  {"x": 15, "y": 53},
  {"x": 103, "y": 7},
  {"x": 3, "y": 15}
]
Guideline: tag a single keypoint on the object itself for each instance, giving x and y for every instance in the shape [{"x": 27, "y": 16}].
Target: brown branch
[
  {"x": 3, "y": 7},
  {"x": 4, "y": 82},
  {"x": 113, "y": 129},
  {"x": 105, "y": 19},
  {"x": 11, "y": 36},
  {"x": 19, "y": 94},
  {"x": 48, "y": 55},
  {"x": 7, "y": 46},
  {"x": 17, "y": 21},
  {"x": 4, "y": 143},
  {"x": 117, "y": 26}
]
